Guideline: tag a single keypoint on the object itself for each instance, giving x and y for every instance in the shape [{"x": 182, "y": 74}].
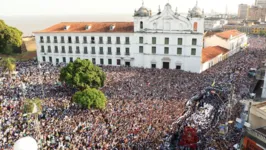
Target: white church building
[{"x": 163, "y": 40}]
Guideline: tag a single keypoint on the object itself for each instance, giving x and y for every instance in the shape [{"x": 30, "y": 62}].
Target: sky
[{"x": 85, "y": 7}]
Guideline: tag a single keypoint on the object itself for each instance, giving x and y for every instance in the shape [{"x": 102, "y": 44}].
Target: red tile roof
[
  {"x": 211, "y": 52},
  {"x": 227, "y": 34},
  {"x": 96, "y": 27}
]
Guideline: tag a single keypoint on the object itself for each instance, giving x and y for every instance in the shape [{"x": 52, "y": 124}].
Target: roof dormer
[
  {"x": 87, "y": 27},
  {"x": 66, "y": 27},
  {"x": 112, "y": 27}
]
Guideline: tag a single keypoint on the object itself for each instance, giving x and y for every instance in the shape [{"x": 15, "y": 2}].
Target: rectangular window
[
  {"x": 109, "y": 61},
  {"x": 166, "y": 50},
  {"x": 85, "y": 39},
  {"x": 77, "y": 39},
  {"x": 55, "y": 39},
  {"x": 56, "y": 49},
  {"x": 140, "y": 49},
  {"x": 41, "y": 39},
  {"x": 42, "y": 49},
  {"x": 63, "y": 49},
  {"x": 64, "y": 59},
  {"x": 43, "y": 58},
  {"x": 118, "y": 40},
  {"x": 93, "y": 61},
  {"x": 193, "y": 51},
  {"x": 92, "y": 40},
  {"x": 100, "y": 40},
  {"x": 153, "y": 50},
  {"x": 179, "y": 41},
  {"x": 194, "y": 41},
  {"x": 101, "y": 50},
  {"x": 109, "y": 51},
  {"x": 178, "y": 67},
  {"x": 153, "y": 40},
  {"x": 49, "y": 49},
  {"x": 109, "y": 40},
  {"x": 118, "y": 62},
  {"x": 85, "y": 50},
  {"x": 70, "y": 50},
  {"x": 50, "y": 59},
  {"x": 127, "y": 40},
  {"x": 153, "y": 65},
  {"x": 141, "y": 40},
  {"x": 57, "y": 60},
  {"x": 166, "y": 41},
  {"x": 77, "y": 50},
  {"x": 101, "y": 61},
  {"x": 93, "y": 50},
  {"x": 117, "y": 51},
  {"x": 127, "y": 51},
  {"x": 69, "y": 39},
  {"x": 70, "y": 59},
  {"x": 62, "y": 39},
  {"x": 48, "y": 39},
  {"x": 179, "y": 51}
]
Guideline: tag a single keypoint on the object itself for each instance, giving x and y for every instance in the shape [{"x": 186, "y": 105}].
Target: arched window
[
  {"x": 141, "y": 25},
  {"x": 195, "y": 26}
]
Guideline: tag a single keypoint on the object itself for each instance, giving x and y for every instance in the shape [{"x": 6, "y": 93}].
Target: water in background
[{"x": 29, "y": 24}]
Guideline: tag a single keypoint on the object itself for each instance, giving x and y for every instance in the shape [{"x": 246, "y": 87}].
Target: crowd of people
[{"x": 142, "y": 104}]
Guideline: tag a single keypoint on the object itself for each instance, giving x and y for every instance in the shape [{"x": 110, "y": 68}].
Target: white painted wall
[
  {"x": 263, "y": 95},
  {"x": 165, "y": 25}
]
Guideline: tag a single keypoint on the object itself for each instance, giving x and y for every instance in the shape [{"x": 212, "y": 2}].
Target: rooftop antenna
[
  {"x": 176, "y": 10},
  {"x": 196, "y": 3},
  {"x": 142, "y": 2},
  {"x": 159, "y": 9}
]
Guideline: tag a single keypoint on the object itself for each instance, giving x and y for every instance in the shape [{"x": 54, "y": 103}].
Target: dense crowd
[{"x": 142, "y": 104}]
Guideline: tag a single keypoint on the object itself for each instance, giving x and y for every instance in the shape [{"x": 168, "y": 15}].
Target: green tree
[
  {"x": 8, "y": 64},
  {"x": 10, "y": 37},
  {"x": 82, "y": 74},
  {"x": 32, "y": 106},
  {"x": 90, "y": 98}
]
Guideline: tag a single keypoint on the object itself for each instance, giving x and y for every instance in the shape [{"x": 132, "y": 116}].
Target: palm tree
[{"x": 8, "y": 64}]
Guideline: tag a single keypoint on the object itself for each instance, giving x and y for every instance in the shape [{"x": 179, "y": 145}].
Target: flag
[{"x": 213, "y": 83}]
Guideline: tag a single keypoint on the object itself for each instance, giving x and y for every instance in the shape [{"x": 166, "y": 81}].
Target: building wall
[
  {"x": 263, "y": 95},
  {"x": 187, "y": 61},
  {"x": 212, "y": 62},
  {"x": 257, "y": 117},
  {"x": 243, "y": 10},
  {"x": 233, "y": 44},
  {"x": 261, "y": 3},
  {"x": 214, "y": 41},
  {"x": 257, "y": 13}
]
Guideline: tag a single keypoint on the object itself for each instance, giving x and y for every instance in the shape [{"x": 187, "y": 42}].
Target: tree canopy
[
  {"x": 10, "y": 37},
  {"x": 82, "y": 74},
  {"x": 90, "y": 98},
  {"x": 8, "y": 64},
  {"x": 32, "y": 106}
]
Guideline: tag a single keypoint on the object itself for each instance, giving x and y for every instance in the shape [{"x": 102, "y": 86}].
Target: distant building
[
  {"x": 257, "y": 13},
  {"x": 253, "y": 29},
  {"x": 214, "y": 23},
  {"x": 243, "y": 10},
  {"x": 163, "y": 40},
  {"x": 260, "y": 3},
  {"x": 231, "y": 40}
]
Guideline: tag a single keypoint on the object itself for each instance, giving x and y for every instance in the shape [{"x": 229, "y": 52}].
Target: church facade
[{"x": 163, "y": 40}]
